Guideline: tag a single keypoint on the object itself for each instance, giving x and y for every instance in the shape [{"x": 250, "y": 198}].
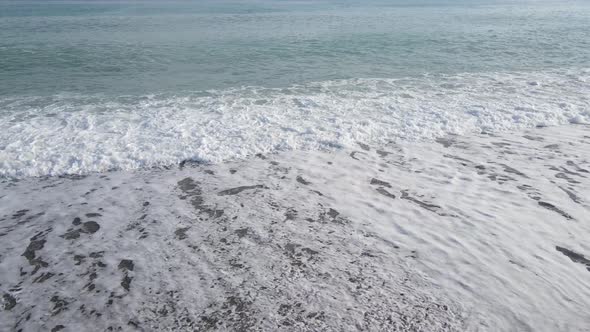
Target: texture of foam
[
  {"x": 469, "y": 233},
  {"x": 73, "y": 134}
]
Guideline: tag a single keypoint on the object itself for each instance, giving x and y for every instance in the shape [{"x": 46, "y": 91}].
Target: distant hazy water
[{"x": 58, "y": 58}]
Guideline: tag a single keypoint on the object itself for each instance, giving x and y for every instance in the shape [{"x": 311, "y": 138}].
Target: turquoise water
[
  {"x": 97, "y": 85},
  {"x": 50, "y": 47}
]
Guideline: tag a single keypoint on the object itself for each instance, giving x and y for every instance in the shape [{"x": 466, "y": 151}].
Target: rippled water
[
  {"x": 150, "y": 47},
  {"x": 156, "y": 82}
]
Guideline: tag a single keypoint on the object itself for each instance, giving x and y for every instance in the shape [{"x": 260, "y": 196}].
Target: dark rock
[
  {"x": 237, "y": 190},
  {"x": 241, "y": 232},
  {"x": 565, "y": 177},
  {"x": 552, "y": 207},
  {"x": 71, "y": 235},
  {"x": 302, "y": 181},
  {"x": 126, "y": 282},
  {"x": 126, "y": 265},
  {"x": 43, "y": 277},
  {"x": 384, "y": 192},
  {"x": 59, "y": 305},
  {"x": 574, "y": 256},
  {"x": 291, "y": 214},
  {"x": 9, "y": 301},
  {"x": 333, "y": 213},
  {"x": 180, "y": 233},
  {"x": 364, "y": 146},
  {"x": 90, "y": 227},
  {"x": 383, "y": 153},
  {"x": 36, "y": 243},
  {"x": 572, "y": 195},
  {"x": 430, "y": 207},
  {"x": 96, "y": 254},
  {"x": 446, "y": 142},
  {"x": 79, "y": 259},
  {"x": 353, "y": 155},
  {"x": 509, "y": 169},
  {"x": 19, "y": 213},
  {"x": 187, "y": 184},
  {"x": 534, "y": 138},
  {"x": 377, "y": 182}
]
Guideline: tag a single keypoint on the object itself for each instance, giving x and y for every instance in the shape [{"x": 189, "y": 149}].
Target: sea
[{"x": 92, "y": 86}]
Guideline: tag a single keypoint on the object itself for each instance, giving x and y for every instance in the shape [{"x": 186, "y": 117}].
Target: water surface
[{"x": 80, "y": 64}]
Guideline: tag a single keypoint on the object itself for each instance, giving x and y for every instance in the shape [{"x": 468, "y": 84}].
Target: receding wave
[{"x": 71, "y": 134}]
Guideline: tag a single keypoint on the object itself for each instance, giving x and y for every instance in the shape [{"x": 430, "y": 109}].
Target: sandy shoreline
[{"x": 485, "y": 232}]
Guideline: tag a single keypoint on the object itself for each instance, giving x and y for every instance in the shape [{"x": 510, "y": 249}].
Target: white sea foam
[
  {"x": 479, "y": 233},
  {"x": 70, "y": 134}
]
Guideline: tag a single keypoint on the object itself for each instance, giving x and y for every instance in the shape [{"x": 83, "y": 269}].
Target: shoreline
[
  {"x": 481, "y": 232},
  {"x": 336, "y": 148},
  {"x": 82, "y": 134}
]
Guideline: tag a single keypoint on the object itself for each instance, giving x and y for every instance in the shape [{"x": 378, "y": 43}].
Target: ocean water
[{"x": 98, "y": 85}]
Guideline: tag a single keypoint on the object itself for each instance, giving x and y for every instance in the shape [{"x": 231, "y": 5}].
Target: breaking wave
[{"x": 73, "y": 134}]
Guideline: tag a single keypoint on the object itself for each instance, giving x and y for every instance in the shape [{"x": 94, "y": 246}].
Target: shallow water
[{"x": 468, "y": 233}]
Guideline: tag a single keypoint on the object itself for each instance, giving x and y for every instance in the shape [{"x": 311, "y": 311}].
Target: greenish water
[
  {"x": 50, "y": 47},
  {"x": 99, "y": 85}
]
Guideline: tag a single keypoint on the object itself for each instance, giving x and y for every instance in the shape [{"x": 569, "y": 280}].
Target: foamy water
[
  {"x": 72, "y": 134},
  {"x": 469, "y": 233}
]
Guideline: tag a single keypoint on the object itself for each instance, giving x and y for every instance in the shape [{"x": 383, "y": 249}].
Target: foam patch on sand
[
  {"x": 478, "y": 233},
  {"x": 74, "y": 134}
]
